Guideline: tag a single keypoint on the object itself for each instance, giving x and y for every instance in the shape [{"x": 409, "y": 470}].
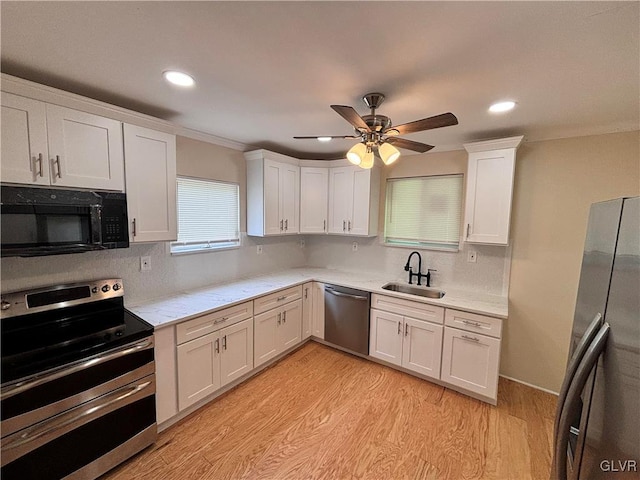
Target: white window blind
[
  {"x": 208, "y": 215},
  {"x": 424, "y": 211}
]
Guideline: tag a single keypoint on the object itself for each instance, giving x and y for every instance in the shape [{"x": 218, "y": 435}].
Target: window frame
[
  {"x": 425, "y": 245},
  {"x": 199, "y": 246}
]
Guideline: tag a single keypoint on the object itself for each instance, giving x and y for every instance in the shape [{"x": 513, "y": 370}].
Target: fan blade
[
  {"x": 351, "y": 116},
  {"x": 326, "y": 136},
  {"x": 444, "y": 120},
  {"x": 409, "y": 144}
]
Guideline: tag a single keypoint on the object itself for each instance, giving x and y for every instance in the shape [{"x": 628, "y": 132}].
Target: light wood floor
[{"x": 320, "y": 413}]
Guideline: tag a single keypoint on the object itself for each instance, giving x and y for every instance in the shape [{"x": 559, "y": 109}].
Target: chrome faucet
[{"x": 420, "y": 275}]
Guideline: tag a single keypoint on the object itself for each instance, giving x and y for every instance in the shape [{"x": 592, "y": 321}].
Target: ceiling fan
[{"x": 376, "y": 132}]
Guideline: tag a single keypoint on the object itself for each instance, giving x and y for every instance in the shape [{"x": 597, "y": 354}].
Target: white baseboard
[{"x": 530, "y": 385}]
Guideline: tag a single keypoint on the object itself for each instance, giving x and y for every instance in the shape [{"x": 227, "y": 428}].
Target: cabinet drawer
[
  {"x": 472, "y": 322},
  {"x": 400, "y": 306},
  {"x": 211, "y": 322},
  {"x": 276, "y": 299}
]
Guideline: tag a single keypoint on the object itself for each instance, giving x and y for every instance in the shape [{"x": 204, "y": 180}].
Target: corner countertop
[{"x": 193, "y": 303}]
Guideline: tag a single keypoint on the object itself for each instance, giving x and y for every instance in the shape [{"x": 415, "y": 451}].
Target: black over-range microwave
[{"x": 43, "y": 221}]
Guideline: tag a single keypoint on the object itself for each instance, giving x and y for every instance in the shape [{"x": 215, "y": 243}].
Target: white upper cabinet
[
  {"x": 353, "y": 201},
  {"x": 63, "y": 147},
  {"x": 314, "y": 199},
  {"x": 151, "y": 184},
  {"x": 490, "y": 177},
  {"x": 273, "y": 194}
]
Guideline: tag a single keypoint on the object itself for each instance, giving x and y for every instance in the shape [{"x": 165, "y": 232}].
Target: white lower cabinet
[
  {"x": 407, "y": 342},
  {"x": 307, "y": 310},
  {"x": 277, "y": 330},
  {"x": 210, "y": 362},
  {"x": 312, "y": 310}
]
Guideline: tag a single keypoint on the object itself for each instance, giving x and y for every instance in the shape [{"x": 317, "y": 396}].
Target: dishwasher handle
[{"x": 340, "y": 294}]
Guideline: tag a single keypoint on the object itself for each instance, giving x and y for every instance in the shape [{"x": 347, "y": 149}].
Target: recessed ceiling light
[
  {"x": 324, "y": 139},
  {"x": 178, "y": 78},
  {"x": 502, "y": 107}
]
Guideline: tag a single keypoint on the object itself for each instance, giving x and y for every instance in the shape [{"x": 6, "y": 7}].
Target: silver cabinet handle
[
  {"x": 468, "y": 227},
  {"x": 399, "y": 328},
  {"x": 40, "y": 165},
  {"x": 281, "y": 224},
  {"x": 306, "y": 293},
  {"x": 472, "y": 339},
  {"x": 340, "y": 294},
  {"x": 59, "y": 175},
  {"x": 344, "y": 226},
  {"x": 349, "y": 223},
  {"x": 220, "y": 320},
  {"x": 281, "y": 298},
  {"x": 35, "y": 380},
  {"x": 134, "y": 227},
  {"x": 279, "y": 318},
  {"x": 473, "y": 324},
  {"x": 324, "y": 225},
  {"x": 406, "y": 329},
  {"x": 284, "y": 317},
  {"x": 216, "y": 345},
  {"x": 571, "y": 407},
  {"x": 572, "y": 367},
  {"x": 224, "y": 342},
  {"x": 286, "y": 225}
]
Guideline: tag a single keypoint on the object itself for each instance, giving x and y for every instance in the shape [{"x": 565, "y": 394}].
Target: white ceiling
[{"x": 267, "y": 71}]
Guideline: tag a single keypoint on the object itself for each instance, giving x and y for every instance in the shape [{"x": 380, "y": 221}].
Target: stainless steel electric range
[{"x": 78, "y": 382}]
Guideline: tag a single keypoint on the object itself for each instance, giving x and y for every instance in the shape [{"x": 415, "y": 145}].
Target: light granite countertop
[{"x": 193, "y": 303}]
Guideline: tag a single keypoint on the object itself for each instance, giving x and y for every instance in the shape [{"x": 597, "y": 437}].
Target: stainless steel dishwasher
[{"x": 346, "y": 318}]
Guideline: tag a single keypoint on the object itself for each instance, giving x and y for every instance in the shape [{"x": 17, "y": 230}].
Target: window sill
[
  {"x": 204, "y": 250},
  {"x": 419, "y": 247}
]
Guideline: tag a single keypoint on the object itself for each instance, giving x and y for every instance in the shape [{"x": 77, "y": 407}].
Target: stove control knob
[
  {"x": 106, "y": 288},
  {"x": 5, "y": 305},
  {"x": 116, "y": 287},
  {"x": 94, "y": 290}
]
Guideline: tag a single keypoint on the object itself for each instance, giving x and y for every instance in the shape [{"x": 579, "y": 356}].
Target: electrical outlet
[
  {"x": 145, "y": 264},
  {"x": 259, "y": 250},
  {"x": 302, "y": 243},
  {"x": 472, "y": 256},
  {"x": 354, "y": 247}
]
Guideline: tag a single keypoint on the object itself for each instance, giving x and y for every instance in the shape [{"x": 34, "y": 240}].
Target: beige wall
[
  {"x": 206, "y": 160},
  {"x": 556, "y": 182}
]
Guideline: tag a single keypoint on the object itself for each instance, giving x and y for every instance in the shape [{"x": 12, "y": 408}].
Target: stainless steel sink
[{"x": 414, "y": 290}]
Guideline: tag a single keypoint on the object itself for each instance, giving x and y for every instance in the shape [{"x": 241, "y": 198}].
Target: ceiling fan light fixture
[
  {"x": 388, "y": 153},
  {"x": 356, "y": 154},
  {"x": 367, "y": 161},
  {"x": 502, "y": 107}
]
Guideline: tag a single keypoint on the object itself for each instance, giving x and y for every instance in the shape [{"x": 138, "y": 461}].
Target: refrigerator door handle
[
  {"x": 574, "y": 362},
  {"x": 561, "y": 437}
]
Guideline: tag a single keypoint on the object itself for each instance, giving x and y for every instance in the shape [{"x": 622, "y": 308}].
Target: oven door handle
[
  {"x": 24, "y": 441},
  {"x": 39, "y": 379}
]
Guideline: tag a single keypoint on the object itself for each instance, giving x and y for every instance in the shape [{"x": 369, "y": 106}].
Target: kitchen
[{"x": 559, "y": 172}]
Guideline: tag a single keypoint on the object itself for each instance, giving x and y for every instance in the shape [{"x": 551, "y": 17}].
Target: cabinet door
[
  {"x": 265, "y": 336},
  {"x": 290, "y": 197},
  {"x": 307, "y": 309},
  {"x": 471, "y": 361},
  {"x": 25, "y": 157},
  {"x": 290, "y": 330},
  {"x": 151, "y": 184},
  {"x": 489, "y": 191},
  {"x": 236, "y": 344},
  {"x": 85, "y": 150},
  {"x": 422, "y": 347},
  {"x": 314, "y": 199},
  {"x": 166, "y": 374},
  {"x": 318, "y": 310},
  {"x": 385, "y": 340},
  {"x": 340, "y": 198},
  {"x": 198, "y": 369},
  {"x": 358, "y": 223},
  {"x": 272, "y": 188}
]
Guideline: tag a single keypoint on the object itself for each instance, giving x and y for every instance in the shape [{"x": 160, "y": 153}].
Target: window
[
  {"x": 424, "y": 212},
  {"x": 208, "y": 215}
]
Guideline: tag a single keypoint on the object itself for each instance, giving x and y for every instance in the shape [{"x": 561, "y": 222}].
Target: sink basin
[{"x": 414, "y": 290}]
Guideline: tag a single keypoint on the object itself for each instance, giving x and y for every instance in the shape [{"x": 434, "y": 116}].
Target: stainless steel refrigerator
[{"x": 597, "y": 430}]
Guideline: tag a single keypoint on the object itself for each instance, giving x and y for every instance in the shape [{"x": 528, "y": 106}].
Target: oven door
[
  {"x": 32, "y": 230},
  {"x": 85, "y": 441}
]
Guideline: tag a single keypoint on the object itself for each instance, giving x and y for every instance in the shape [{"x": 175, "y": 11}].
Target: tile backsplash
[{"x": 174, "y": 273}]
